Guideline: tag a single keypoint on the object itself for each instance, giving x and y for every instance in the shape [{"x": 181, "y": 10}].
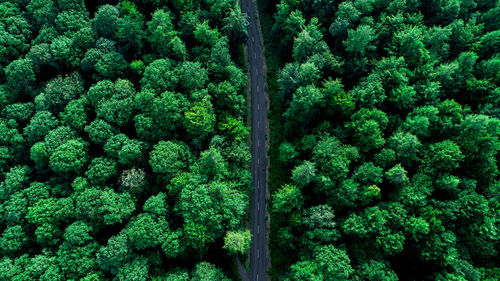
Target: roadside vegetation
[
  {"x": 123, "y": 140},
  {"x": 385, "y": 129}
]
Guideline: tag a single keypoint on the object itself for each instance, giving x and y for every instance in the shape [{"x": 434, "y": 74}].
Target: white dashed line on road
[
  {"x": 258, "y": 253},
  {"x": 258, "y": 209}
]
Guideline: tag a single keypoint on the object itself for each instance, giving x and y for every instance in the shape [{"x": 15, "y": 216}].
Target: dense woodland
[
  {"x": 123, "y": 140},
  {"x": 384, "y": 139}
]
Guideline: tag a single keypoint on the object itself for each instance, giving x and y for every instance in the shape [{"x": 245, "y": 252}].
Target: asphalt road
[{"x": 259, "y": 115}]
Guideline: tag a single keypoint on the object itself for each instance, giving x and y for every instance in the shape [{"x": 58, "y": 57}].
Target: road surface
[{"x": 256, "y": 62}]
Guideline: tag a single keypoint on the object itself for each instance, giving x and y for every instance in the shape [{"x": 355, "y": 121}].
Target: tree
[
  {"x": 136, "y": 270},
  {"x": 368, "y": 126},
  {"x": 304, "y": 105},
  {"x": 287, "y": 152},
  {"x": 58, "y": 92},
  {"x": 69, "y": 157},
  {"x": 304, "y": 174},
  {"x": 406, "y": 146},
  {"x": 20, "y": 76},
  {"x": 287, "y": 199},
  {"x": 208, "y": 272},
  {"x": 375, "y": 270},
  {"x": 115, "y": 254},
  {"x": 99, "y": 131},
  {"x": 333, "y": 262},
  {"x": 158, "y": 76},
  {"x": 235, "y": 25},
  {"x": 103, "y": 207},
  {"x": 192, "y": 76},
  {"x": 200, "y": 118},
  {"x": 368, "y": 174},
  {"x": 101, "y": 170},
  {"x": 237, "y": 241},
  {"x": 168, "y": 111},
  {"x": 359, "y": 41},
  {"x": 146, "y": 231},
  {"x": 336, "y": 99},
  {"x": 105, "y": 21},
  {"x": 42, "y": 12},
  {"x": 169, "y": 158},
  {"x": 12, "y": 239},
  {"x": 211, "y": 164},
  {"x": 77, "y": 233},
  {"x": 397, "y": 175},
  {"x": 161, "y": 31},
  {"x": 40, "y": 124},
  {"x": 75, "y": 114},
  {"x": 444, "y": 156}
]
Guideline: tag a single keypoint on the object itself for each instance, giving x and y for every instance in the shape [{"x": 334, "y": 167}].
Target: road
[{"x": 256, "y": 62}]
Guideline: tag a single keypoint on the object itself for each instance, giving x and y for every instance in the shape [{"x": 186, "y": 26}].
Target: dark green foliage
[
  {"x": 113, "y": 116},
  {"x": 385, "y": 114}
]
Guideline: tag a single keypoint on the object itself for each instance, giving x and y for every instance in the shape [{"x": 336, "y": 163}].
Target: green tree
[
  {"x": 304, "y": 174},
  {"x": 69, "y": 157},
  {"x": 105, "y": 21},
  {"x": 208, "y": 272},
  {"x": 235, "y": 25},
  {"x": 169, "y": 158},
  {"x": 237, "y": 241}
]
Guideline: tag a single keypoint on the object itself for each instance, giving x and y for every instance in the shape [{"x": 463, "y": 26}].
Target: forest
[
  {"x": 384, "y": 139},
  {"x": 123, "y": 140}
]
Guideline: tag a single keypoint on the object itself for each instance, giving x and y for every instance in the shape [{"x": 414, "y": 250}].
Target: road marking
[
  {"x": 258, "y": 208},
  {"x": 258, "y": 125},
  {"x": 258, "y": 106},
  {"x": 258, "y": 229},
  {"x": 258, "y": 161},
  {"x": 258, "y": 253},
  {"x": 257, "y": 277},
  {"x": 258, "y": 88}
]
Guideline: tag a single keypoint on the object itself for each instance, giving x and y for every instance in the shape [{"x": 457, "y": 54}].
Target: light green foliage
[
  {"x": 208, "y": 272},
  {"x": 200, "y": 119},
  {"x": 286, "y": 199},
  {"x": 237, "y": 241}
]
